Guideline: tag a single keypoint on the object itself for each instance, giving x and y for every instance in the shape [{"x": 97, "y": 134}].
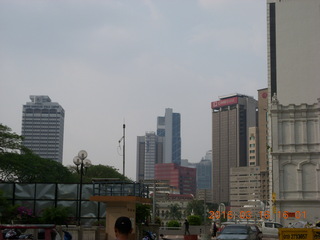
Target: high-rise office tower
[
  {"x": 169, "y": 128},
  {"x": 263, "y": 143},
  {"x": 232, "y": 116},
  {"x": 204, "y": 172},
  {"x": 149, "y": 153},
  {"x": 294, "y": 50},
  {"x": 294, "y": 107},
  {"x": 43, "y": 127},
  {"x": 161, "y": 147}
]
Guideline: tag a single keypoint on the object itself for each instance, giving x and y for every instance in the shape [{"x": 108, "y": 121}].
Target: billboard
[{"x": 224, "y": 102}]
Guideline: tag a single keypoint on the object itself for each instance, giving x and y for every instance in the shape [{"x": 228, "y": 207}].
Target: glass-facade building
[
  {"x": 43, "y": 127},
  {"x": 168, "y": 127},
  {"x": 204, "y": 172},
  {"x": 162, "y": 146}
]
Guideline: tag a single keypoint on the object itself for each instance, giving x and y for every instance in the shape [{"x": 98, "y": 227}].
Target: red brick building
[{"x": 181, "y": 179}]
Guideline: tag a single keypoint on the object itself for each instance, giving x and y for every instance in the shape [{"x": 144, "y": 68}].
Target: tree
[
  {"x": 194, "y": 220},
  {"x": 175, "y": 211},
  {"x": 4, "y": 208},
  {"x": 30, "y": 168},
  {"x": 56, "y": 215},
  {"x": 195, "y": 207},
  {"x": 173, "y": 223},
  {"x": 97, "y": 171},
  {"x": 142, "y": 213},
  {"x": 9, "y": 141}
]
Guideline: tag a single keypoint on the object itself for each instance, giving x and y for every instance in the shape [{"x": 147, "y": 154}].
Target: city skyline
[{"x": 109, "y": 63}]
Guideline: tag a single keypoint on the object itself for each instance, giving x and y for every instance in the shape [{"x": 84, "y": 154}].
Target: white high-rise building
[
  {"x": 43, "y": 127},
  {"x": 294, "y": 108}
]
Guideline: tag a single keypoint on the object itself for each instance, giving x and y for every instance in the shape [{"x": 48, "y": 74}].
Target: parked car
[
  {"x": 237, "y": 232},
  {"x": 223, "y": 225},
  {"x": 270, "y": 229},
  {"x": 256, "y": 231}
]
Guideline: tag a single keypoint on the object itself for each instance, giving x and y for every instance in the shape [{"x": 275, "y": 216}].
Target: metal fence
[
  {"x": 38, "y": 196},
  {"x": 120, "y": 188}
]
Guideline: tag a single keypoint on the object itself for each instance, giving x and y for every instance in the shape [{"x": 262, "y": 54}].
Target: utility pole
[
  {"x": 124, "y": 150},
  {"x": 123, "y": 139}
]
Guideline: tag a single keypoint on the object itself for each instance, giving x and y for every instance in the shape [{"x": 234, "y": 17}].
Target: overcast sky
[{"x": 111, "y": 61}]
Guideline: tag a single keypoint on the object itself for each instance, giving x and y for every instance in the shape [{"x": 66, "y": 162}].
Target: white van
[{"x": 270, "y": 229}]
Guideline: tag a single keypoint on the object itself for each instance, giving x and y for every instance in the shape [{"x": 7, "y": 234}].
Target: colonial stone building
[{"x": 296, "y": 161}]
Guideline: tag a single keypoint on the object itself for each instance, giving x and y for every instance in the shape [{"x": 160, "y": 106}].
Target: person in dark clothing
[
  {"x": 214, "y": 229},
  {"x": 186, "y": 227}
]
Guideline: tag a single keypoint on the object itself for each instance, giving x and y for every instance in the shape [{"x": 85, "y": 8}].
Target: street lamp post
[{"x": 82, "y": 162}]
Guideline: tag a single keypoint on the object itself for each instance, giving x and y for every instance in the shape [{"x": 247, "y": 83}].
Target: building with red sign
[{"x": 232, "y": 116}]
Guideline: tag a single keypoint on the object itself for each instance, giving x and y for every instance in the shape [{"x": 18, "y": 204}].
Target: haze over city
[{"x": 113, "y": 62}]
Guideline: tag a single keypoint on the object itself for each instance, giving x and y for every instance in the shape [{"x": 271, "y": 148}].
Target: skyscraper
[
  {"x": 161, "y": 147},
  {"x": 169, "y": 128},
  {"x": 204, "y": 172},
  {"x": 263, "y": 143},
  {"x": 232, "y": 116},
  {"x": 294, "y": 50},
  {"x": 294, "y": 107},
  {"x": 149, "y": 153},
  {"x": 43, "y": 127}
]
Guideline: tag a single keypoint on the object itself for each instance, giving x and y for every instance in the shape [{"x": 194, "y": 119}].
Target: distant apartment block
[
  {"x": 43, "y": 127},
  {"x": 245, "y": 190},
  {"x": 253, "y": 146}
]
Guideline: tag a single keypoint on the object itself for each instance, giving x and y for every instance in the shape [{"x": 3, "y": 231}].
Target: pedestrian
[
  {"x": 123, "y": 228},
  {"x": 214, "y": 230},
  {"x": 186, "y": 227}
]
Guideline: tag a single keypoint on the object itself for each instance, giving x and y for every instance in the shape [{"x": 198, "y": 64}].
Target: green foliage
[
  {"x": 195, "y": 207},
  {"x": 55, "y": 215},
  {"x": 157, "y": 220},
  {"x": 30, "y": 168},
  {"x": 175, "y": 211},
  {"x": 194, "y": 220},
  {"x": 16, "y": 214},
  {"x": 6, "y": 210},
  {"x": 173, "y": 223},
  {"x": 212, "y": 206},
  {"x": 142, "y": 213},
  {"x": 9, "y": 141},
  {"x": 100, "y": 223},
  {"x": 97, "y": 171}
]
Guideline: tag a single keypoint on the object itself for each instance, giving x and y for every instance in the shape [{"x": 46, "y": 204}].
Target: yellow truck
[{"x": 299, "y": 233}]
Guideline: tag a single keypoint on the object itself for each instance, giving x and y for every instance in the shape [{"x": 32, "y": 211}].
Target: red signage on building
[{"x": 224, "y": 102}]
